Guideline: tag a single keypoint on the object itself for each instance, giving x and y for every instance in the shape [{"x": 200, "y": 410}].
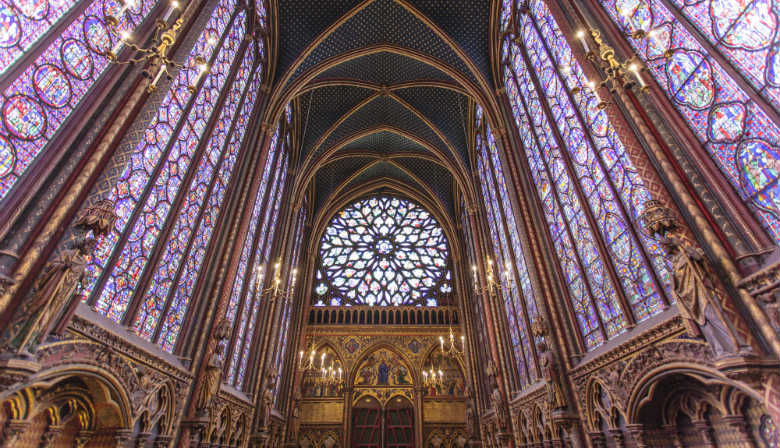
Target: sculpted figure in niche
[
  {"x": 552, "y": 375},
  {"x": 211, "y": 381},
  {"x": 499, "y": 409},
  {"x": 268, "y": 398},
  {"x": 212, "y": 377},
  {"x": 52, "y": 294},
  {"x": 692, "y": 282}
]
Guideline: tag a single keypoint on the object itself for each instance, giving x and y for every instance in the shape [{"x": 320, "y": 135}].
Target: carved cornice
[{"x": 644, "y": 339}]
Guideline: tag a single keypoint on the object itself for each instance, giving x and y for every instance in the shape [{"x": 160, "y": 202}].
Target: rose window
[{"x": 383, "y": 251}]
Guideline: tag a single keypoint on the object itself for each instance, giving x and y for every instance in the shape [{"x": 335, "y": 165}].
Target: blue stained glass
[
  {"x": 582, "y": 300},
  {"x": 130, "y": 187},
  {"x": 739, "y": 136},
  {"x": 607, "y": 155},
  {"x": 41, "y": 99},
  {"x": 269, "y": 231},
  {"x": 383, "y": 251},
  {"x": 517, "y": 330}
]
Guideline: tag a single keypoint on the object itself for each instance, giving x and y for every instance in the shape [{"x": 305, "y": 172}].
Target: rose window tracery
[{"x": 383, "y": 251}]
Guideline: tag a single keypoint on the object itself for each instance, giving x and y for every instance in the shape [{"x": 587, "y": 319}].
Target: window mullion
[
  {"x": 753, "y": 93},
  {"x": 554, "y": 190},
  {"x": 610, "y": 181},
  {"x": 247, "y": 290},
  {"x": 586, "y": 210},
  {"x": 523, "y": 313},
  {"x": 185, "y": 188},
  {"x": 139, "y": 204}
]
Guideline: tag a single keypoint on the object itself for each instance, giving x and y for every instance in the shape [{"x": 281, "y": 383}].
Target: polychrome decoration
[
  {"x": 383, "y": 368},
  {"x": 383, "y": 251},
  {"x": 723, "y": 76},
  {"x": 46, "y": 89},
  {"x": 453, "y": 384},
  {"x": 173, "y": 184},
  {"x": 517, "y": 292},
  {"x": 590, "y": 191},
  {"x": 313, "y": 385}
]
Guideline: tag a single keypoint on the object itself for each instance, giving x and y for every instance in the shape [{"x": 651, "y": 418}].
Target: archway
[{"x": 366, "y": 423}]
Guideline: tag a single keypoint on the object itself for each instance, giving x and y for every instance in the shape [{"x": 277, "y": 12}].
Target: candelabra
[
  {"x": 433, "y": 378},
  {"x": 615, "y": 71},
  {"x": 274, "y": 290},
  {"x": 164, "y": 38},
  {"x": 326, "y": 375},
  {"x": 452, "y": 349},
  {"x": 491, "y": 282}
]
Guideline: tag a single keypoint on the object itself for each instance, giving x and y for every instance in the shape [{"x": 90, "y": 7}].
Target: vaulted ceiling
[{"x": 384, "y": 90}]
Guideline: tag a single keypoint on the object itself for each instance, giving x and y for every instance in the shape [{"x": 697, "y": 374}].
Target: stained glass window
[
  {"x": 510, "y": 266},
  {"x": 384, "y": 251},
  {"x": 588, "y": 187},
  {"x": 49, "y": 87},
  {"x": 170, "y": 193},
  {"x": 732, "y": 117},
  {"x": 254, "y": 271},
  {"x": 282, "y": 340}
]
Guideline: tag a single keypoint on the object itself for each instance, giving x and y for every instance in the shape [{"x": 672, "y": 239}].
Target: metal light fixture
[
  {"x": 614, "y": 70},
  {"x": 164, "y": 38}
]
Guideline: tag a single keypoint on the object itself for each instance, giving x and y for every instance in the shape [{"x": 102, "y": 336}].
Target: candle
[
  {"x": 581, "y": 37},
  {"x": 463, "y": 342},
  {"x": 121, "y": 43},
  {"x": 174, "y": 6},
  {"x": 159, "y": 75},
  {"x": 593, "y": 89},
  {"x": 635, "y": 68},
  {"x": 441, "y": 341},
  {"x": 322, "y": 360},
  {"x": 300, "y": 358}
]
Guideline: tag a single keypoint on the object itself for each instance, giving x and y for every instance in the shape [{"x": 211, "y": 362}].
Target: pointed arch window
[
  {"x": 51, "y": 55},
  {"x": 170, "y": 193},
  {"x": 284, "y": 327},
  {"x": 246, "y": 297},
  {"x": 588, "y": 187},
  {"x": 718, "y": 63},
  {"x": 517, "y": 293}
]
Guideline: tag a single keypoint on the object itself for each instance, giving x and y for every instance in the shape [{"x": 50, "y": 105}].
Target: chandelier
[
  {"x": 433, "y": 378},
  {"x": 325, "y": 375},
  {"x": 164, "y": 38},
  {"x": 274, "y": 290},
  {"x": 451, "y": 347}
]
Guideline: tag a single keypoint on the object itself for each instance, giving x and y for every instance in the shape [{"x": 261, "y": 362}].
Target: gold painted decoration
[
  {"x": 383, "y": 368},
  {"x": 453, "y": 384}
]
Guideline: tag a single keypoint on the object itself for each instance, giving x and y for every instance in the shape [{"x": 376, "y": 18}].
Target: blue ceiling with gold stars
[{"x": 382, "y": 89}]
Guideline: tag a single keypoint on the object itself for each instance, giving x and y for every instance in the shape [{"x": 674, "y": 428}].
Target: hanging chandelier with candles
[{"x": 164, "y": 38}]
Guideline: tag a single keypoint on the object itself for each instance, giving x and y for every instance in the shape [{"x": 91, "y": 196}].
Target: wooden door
[
  {"x": 366, "y": 425},
  {"x": 399, "y": 424}
]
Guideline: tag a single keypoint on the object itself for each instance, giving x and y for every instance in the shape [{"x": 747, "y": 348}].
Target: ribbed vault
[{"x": 383, "y": 90}]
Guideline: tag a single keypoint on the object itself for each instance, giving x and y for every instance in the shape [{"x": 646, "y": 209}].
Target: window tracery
[
  {"x": 383, "y": 251},
  {"x": 170, "y": 194},
  {"x": 733, "y": 124},
  {"x": 40, "y": 99},
  {"x": 588, "y": 187}
]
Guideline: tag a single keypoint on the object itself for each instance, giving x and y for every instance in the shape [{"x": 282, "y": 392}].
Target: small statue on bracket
[
  {"x": 551, "y": 373},
  {"x": 268, "y": 398},
  {"x": 54, "y": 294},
  {"x": 698, "y": 299},
  {"x": 212, "y": 377}
]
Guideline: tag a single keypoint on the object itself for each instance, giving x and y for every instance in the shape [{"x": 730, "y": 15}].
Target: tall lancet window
[
  {"x": 173, "y": 185},
  {"x": 510, "y": 264},
  {"x": 256, "y": 271},
  {"x": 51, "y": 55},
  {"x": 588, "y": 187},
  {"x": 289, "y": 294},
  {"x": 718, "y": 63}
]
